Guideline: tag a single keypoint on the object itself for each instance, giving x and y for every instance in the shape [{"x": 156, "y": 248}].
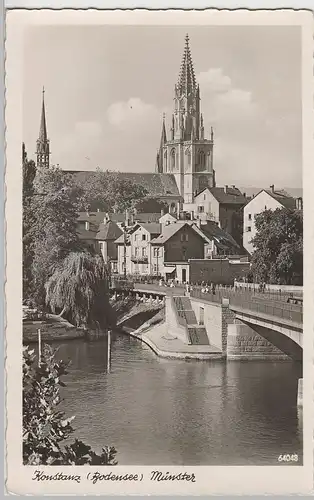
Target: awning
[{"x": 169, "y": 270}]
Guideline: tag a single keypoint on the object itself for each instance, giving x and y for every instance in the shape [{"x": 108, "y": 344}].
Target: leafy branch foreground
[{"x": 44, "y": 426}]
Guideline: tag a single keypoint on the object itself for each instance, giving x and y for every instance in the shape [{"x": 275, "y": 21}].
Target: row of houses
[
  {"x": 169, "y": 244},
  {"x": 154, "y": 244}
]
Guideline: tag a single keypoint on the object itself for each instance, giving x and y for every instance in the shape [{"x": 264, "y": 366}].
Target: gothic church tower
[
  {"x": 186, "y": 153},
  {"x": 43, "y": 148}
]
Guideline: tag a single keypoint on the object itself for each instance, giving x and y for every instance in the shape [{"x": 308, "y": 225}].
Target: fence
[
  {"x": 279, "y": 311},
  {"x": 246, "y": 299}
]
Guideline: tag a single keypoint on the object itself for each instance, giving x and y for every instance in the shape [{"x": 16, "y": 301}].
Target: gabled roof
[
  {"x": 226, "y": 195},
  {"x": 283, "y": 197},
  {"x": 169, "y": 231},
  {"x": 108, "y": 231},
  {"x": 221, "y": 238},
  {"x": 151, "y": 227},
  {"x": 87, "y": 234},
  {"x": 120, "y": 240},
  {"x": 157, "y": 185},
  {"x": 94, "y": 217}
]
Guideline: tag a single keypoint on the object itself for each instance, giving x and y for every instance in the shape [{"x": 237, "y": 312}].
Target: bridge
[{"x": 269, "y": 315}]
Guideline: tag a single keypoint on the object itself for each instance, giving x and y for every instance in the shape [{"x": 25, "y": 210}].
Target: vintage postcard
[{"x": 159, "y": 185}]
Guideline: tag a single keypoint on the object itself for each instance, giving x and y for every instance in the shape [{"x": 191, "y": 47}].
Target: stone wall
[
  {"x": 245, "y": 343},
  {"x": 212, "y": 320},
  {"x": 172, "y": 325},
  {"x": 219, "y": 271}
]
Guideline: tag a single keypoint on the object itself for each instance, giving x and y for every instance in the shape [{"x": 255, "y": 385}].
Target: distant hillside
[{"x": 249, "y": 191}]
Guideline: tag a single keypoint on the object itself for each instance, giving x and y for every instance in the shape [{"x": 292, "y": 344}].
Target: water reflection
[{"x": 172, "y": 412}]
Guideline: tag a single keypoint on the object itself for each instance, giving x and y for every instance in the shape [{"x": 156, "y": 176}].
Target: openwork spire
[
  {"x": 43, "y": 148},
  {"x": 186, "y": 80},
  {"x": 43, "y": 127},
  {"x": 163, "y": 138}
]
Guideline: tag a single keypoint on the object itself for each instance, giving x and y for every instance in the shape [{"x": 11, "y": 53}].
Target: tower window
[
  {"x": 165, "y": 160},
  {"x": 173, "y": 159},
  {"x": 202, "y": 159}
]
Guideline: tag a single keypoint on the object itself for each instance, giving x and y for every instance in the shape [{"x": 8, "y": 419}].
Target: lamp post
[{"x": 124, "y": 255}]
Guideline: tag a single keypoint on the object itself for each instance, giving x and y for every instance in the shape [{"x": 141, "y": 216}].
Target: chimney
[
  {"x": 127, "y": 218},
  {"x": 98, "y": 210},
  {"x": 233, "y": 186},
  {"x": 132, "y": 219},
  {"x": 244, "y": 194},
  {"x": 106, "y": 218},
  {"x": 226, "y": 188},
  {"x": 198, "y": 223},
  {"x": 272, "y": 187},
  {"x": 192, "y": 215},
  {"x": 162, "y": 212}
]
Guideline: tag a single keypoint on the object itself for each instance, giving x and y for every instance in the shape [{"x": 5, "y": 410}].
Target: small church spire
[
  {"x": 163, "y": 141},
  {"x": 42, "y": 150}
]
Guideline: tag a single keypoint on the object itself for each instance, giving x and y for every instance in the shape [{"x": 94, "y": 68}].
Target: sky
[{"x": 106, "y": 88}]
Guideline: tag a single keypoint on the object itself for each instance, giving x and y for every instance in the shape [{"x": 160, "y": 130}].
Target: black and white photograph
[{"x": 160, "y": 191}]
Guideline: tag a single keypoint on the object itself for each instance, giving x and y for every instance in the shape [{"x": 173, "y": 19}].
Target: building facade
[
  {"x": 186, "y": 152},
  {"x": 222, "y": 205},
  {"x": 264, "y": 200}
]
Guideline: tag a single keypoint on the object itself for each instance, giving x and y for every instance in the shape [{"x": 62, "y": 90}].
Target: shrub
[{"x": 44, "y": 426}]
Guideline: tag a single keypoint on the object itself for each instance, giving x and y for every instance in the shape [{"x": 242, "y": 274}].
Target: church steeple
[
  {"x": 160, "y": 154},
  {"x": 186, "y": 81},
  {"x": 43, "y": 149},
  {"x": 187, "y": 153}
]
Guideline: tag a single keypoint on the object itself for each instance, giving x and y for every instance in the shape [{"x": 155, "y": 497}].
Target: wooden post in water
[
  {"x": 108, "y": 350},
  {"x": 39, "y": 347}
]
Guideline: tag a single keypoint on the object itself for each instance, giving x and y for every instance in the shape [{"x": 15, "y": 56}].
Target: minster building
[
  {"x": 184, "y": 164},
  {"x": 185, "y": 152}
]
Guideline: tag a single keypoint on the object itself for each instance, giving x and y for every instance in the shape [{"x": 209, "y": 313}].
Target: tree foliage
[
  {"x": 278, "y": 247},
  {"x": 80, "y": 288},
  {"x": 107, "y": 191},
  {"x": 53, "y": 234},
  {"x": 29, "y": 173},
  {"x": 45, "y": 427}
]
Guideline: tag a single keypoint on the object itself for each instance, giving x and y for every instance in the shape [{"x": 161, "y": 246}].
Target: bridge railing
[
  {"x": 254, "y": 303},
  {"x": 276, "y": 310}
]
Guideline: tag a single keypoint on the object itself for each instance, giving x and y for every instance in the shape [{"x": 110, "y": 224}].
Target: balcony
[{"x": 139, "y": 259}]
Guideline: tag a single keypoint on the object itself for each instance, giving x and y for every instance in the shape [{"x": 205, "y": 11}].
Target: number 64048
[{"x": 288, "y": 458}]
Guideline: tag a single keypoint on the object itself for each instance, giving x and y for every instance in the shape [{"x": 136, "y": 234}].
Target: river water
[{"x": 173, "y": 412}]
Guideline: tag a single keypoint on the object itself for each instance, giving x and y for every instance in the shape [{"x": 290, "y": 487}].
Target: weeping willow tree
[{"x": 79, "y": 288}]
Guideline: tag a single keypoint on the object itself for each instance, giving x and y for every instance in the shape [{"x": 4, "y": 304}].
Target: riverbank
[
  {"x": 155, "y": 335},
  {"x": 128, "y": 311},
  {"x": 52, "y": 328}
]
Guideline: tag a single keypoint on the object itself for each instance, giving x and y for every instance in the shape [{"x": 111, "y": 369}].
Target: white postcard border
[{"x": 209, "y": 480}]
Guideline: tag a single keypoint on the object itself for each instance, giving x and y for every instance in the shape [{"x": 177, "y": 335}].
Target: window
[
  {"x": 204, "y": 197},
  {"x": 135, "y": 237},
  {"x": 87, "y": 226},
  {"x": 248, "y": 229},
  {"x": 156, "y": 252},
  {"x": 165, "y": 160},
  {"x": 143, "y": 237},
  {"x": 250, "y": 216},
  {"x": 136, "y": 251},
  {"x": 173, "y": 159},
  {"x": 202, "y": 158},
  {"x": 115, "y": 267},
  {"x": 155, "y": 268},
  {"x": 201, "y": 208},
  {"x": 143, "y": 252},
  {"x": 184, "y": 237}
]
